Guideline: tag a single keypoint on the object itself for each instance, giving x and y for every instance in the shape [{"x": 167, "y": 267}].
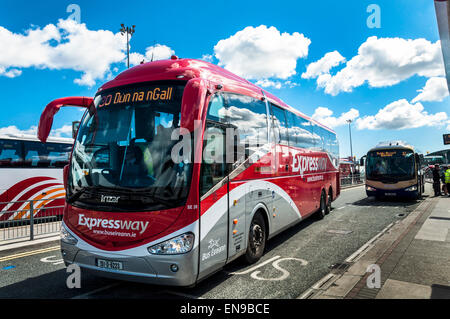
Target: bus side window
[
  {"x": 58, "y": 155},
  {"x": 301, "y": 134},
  {"x": 10, "y": 153},
  {"x": 36, "y": 154},
  {"x": 293, "y": 130},
  {"x": 248, "y": 122},
  {"x": 280, "y": 125}
]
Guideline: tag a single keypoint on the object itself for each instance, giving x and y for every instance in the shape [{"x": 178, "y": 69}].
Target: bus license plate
[
  {"x": 390, "y": 194},
  {"x": 109, "y": 264}
]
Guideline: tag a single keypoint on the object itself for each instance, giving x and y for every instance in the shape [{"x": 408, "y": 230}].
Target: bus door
[{"x": 214, "y": 214}]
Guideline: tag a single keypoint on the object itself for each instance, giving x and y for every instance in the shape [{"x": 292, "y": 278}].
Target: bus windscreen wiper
[{"x": 76, "y": 195}]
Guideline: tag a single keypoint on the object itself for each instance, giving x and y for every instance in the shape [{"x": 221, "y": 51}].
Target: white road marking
[
  {"x": 55, "y": 261},
  {"x": 285, "y": 274},
  {"x": 255, "y": 267}
]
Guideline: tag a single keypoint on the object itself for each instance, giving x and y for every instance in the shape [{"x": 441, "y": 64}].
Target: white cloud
[
  {"x": 261, "y": 53},
  {"x": 155, "y": 52},
  {"x": 64, "y": 131},
  {"x": 325, "y": 116},
  {"x": 434, "y": 90},
  {"x": 380, "y": 62},
  {"x": 207, "y": 57},
  {"x": 13, "y": 130},
  {"x": 66, "y": 45},
  {"x": 324, "y": 65},
  {"x": 265, "y": 83},
  {"x": 401, "y": 115}
]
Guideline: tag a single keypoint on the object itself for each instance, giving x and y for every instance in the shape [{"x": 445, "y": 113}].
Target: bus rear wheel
[
  {"x": 320, "y": 214},
  {"x": 329, "y": 200},
  {"x": 256, "y": 239}
]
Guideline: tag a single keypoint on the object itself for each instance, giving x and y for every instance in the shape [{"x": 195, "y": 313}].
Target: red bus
[{"x": 180, "y": 167}]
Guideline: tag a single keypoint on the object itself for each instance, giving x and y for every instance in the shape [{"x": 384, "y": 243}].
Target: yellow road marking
[{"x": 34, "y": 252}]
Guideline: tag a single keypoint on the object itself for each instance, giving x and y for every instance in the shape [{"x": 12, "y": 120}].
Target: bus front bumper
[
  {"x": 170, "y": 270},
  {"x": 408, "y": 192}
]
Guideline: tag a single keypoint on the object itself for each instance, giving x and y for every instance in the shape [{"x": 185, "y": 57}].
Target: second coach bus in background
[
  {"x": 393, "y": 169},
  {"x": 31, "y": 171},
  {"x": 134, "y": 212}
]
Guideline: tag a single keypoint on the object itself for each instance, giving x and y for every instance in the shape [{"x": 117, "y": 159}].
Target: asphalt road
[{"x": 293, "y": 262}]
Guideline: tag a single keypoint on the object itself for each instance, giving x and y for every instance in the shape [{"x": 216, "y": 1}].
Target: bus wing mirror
[
  {"x": 361, "y": 161},
  {"x": 75, "y": 127},
  {"x": 46, "y": 120}
]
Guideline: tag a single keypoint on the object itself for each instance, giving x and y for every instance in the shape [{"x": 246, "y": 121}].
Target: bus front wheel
[{"x": 256, "y": 239}]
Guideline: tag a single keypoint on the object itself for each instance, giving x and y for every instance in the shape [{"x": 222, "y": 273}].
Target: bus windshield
[
  {"x": 123, "y": 149},
  {"x": 390, "y": 165}
]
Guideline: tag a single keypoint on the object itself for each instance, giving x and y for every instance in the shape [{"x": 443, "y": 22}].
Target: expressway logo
[
  {"x": 304, "y": 164},
  {"x": 91, "y": 222}
]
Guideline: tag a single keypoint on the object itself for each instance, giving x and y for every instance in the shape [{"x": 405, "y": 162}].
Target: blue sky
[{"x": 380, "y": 85}]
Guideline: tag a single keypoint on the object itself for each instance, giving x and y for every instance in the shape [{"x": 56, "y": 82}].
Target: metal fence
[
  {"x": 29, "y": 219},
  {"x": 355, "y": 179}
]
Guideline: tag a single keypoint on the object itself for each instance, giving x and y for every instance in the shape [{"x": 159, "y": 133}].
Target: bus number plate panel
[{"x": 109, "y": 264}]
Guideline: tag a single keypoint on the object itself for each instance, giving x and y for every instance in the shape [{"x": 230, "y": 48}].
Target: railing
[
  {"x": 355, "y": 179},
  {"x": 31, "y": 219}
]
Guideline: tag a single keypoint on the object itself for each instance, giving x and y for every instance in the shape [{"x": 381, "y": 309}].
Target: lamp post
[
  {"x": 128, "y": 31},
  {"x": 350, "y": 133}
]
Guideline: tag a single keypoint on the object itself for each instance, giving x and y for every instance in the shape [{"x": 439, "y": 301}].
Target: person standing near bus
[
  {"x": 436, "y": 180},
  {"x": 442, "y": 175},
  {"x": 447, "y": 180}
]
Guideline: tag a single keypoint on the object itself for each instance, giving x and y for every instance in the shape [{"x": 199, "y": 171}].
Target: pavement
[{"x": 409, "y": 259}]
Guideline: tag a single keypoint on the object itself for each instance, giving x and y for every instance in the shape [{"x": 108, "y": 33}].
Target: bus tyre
[
  {"x": 256, "y": 239},
  {"x": 329, "y": 200},
  {"x": 323, "y": 207}
]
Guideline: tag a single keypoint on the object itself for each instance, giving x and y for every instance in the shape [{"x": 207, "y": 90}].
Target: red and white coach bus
[
  {"x": 31, "y": 170},
  {"x": 180, "y": 167}
]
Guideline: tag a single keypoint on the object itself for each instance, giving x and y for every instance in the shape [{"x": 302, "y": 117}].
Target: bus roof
[
  {"x": 392, "y": 145},
  {"x": 27, "y": 137},
  {"x": 186, "y": 69}
]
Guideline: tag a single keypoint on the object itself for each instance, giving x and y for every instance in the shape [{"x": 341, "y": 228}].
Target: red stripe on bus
[{"x": 14, "y": 190}]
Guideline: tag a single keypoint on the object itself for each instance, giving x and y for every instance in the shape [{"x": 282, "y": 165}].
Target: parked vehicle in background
[
  {"x": 31, "y": 170},
  {"x": 434, "y": 159},
  {"x": 393, "y": 169}
]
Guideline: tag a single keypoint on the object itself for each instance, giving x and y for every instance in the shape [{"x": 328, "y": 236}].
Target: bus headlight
[
  {"x": 67, "y": 237},
  {"x": 177, "y": 245},
  {"x": 370, "y": 189},
  {"x": 411, "y": 189}
]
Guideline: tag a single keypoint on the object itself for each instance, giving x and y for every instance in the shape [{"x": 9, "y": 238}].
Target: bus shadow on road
[
  {"x": 386, "y": 202},
  {"x": 51, "y": 285}
]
